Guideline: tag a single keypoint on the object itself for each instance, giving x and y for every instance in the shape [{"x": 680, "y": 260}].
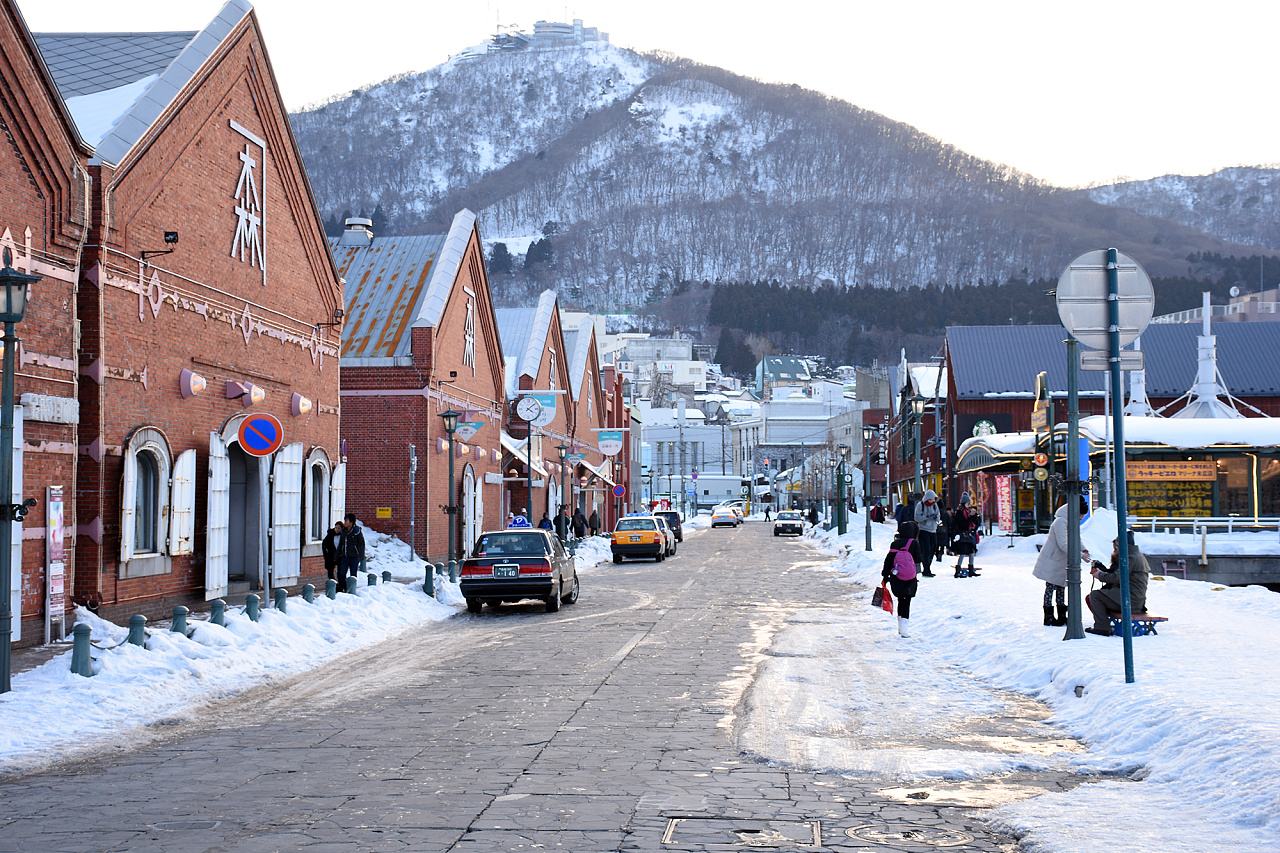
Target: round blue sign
[
  {"x": 260, "y": 435},
  {"x": 619, "y": 490}
]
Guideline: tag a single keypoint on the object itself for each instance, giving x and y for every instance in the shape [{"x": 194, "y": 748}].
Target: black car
[
  {"x": 510, "y": 565},
  {"x": 672, "y": 518}
]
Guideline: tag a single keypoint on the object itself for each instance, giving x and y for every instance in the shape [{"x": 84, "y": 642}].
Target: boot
[
  {"x": 959, "y": 572},
  {"x": 1048, "y": 617},
  {"x": 902, "y": 626},
  {"x": 1062, "y": 615}
]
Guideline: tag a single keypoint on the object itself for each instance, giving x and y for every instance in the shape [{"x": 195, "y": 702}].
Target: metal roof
[
  {"x": 1004, "y": 360},
  {"x": 786, "y": 367},
  {"x": 524, "y": 331},
  {"x": 84, "y": 63},
  {"x": 386, "y": 286}
]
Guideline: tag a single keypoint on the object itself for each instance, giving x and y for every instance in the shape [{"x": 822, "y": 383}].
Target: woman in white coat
[{"x": 1051, "y": 566}]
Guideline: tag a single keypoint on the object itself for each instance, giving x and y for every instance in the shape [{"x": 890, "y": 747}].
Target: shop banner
[
  {"x": 548, "y": 403},
  {"x": 610, "y": 441},
  {"x": 467, "y": 430},
  {"x": 1004, "y": 502}
]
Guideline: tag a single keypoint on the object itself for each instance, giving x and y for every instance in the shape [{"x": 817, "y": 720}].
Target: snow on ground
[
  {"x": 592, "y": 552},
  {"x": 1200, "y": 727},
  {"x": 51, "y": 713},
  {"x": 1238, "y": 543}
]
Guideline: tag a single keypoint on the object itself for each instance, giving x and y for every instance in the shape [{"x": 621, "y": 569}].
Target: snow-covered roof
[
  {"x": 1188, "y": 433},
  {"x": 579, "y": 330},
  {"x": 524, "y": 332},
  {"x": 117, "y": 84},
  {"x": 928, "y": 380}
]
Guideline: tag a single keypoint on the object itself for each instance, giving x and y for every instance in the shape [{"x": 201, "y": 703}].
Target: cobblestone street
[{"x": 605, "y": 727}]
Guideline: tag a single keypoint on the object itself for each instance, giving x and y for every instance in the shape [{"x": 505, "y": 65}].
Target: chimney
[{"x": 358, "y": 232}]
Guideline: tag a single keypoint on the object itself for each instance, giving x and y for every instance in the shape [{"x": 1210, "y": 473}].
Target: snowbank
[
  {"x": 592, "y": 552},
  {"x": 52, "y": 713},
  {"x": 1200, "y": 728}
]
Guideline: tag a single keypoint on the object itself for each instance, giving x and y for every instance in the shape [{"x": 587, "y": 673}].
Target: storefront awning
[
  {"x": 992, "y": 451},
  {"x": 519, "y": 449},
  {"x": 599, "y": 472}
]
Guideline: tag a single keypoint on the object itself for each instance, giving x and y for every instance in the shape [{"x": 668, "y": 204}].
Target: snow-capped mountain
[
  {"x": 1241, "y": 204},
  {"x": 635, "y": 172}
]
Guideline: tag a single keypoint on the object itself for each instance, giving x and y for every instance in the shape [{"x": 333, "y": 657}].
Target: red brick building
[
  {"x": 176, "y": 200},
  {"x": 421, "y": 339},
  {"x": 594, "y": 476},
  {"x": 43, "y": 225}
]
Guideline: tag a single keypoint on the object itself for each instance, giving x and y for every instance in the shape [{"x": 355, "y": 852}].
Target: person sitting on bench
[{"x": 1100, "y": 601}]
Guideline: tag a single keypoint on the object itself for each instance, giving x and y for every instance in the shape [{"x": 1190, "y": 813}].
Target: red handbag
[{"x": 882, "y": 598}]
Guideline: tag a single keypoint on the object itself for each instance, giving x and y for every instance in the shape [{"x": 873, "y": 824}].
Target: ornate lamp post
[
  {"x": 868, "y": 434},
  {"x": 563, "y": 450},
  {"x": 450, "y": 419},
  {"x": 13, "y": 305},
  {"x": 842, "y": 517},
  {"x": 917, "y": 417}
]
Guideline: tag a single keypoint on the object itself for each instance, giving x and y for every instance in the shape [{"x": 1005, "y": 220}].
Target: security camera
[{"x": 171, "y": 237}]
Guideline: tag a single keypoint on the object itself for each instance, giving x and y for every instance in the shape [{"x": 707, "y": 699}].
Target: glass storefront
[{"x": 1234, "y": 475}]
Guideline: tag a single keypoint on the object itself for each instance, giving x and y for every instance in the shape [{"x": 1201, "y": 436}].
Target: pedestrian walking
[
  {"x": 594, "y": 522},
  {"x": 579, "y": 524},
  {"x": 1051, "y": 567},
  {"x": 350, "y": 551},
  {"x": 1100, "y": 601},
  {"x": 964, "y": 527},
  {"x": 562, "y": 524},
  {"x": 544, "y": 523},
  {"x": 905, "y": 511},
  {"x": 813, "y": 515},
  {"x": 901, "y": 565},
  {"x": 767, "y": 516},
  {"x": 329, "y": 548},
  {"x": 927, "y": 518}
]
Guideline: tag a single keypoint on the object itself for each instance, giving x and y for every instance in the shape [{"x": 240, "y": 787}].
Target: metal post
[
  {"x": 6, "y": 499},
  {"x": 1122, "y": 489},
  {"x": 1075, "y": 624},
  {"x": 529, "y": 458},
  {"x": 81, "y": 663},
  {"x": 919, "y": 481},
  {"x": 564, "y": 536},
  {"x": 386, "y": 576},
  {"x": 309, "y": 592},
  {"x": 371, "y": 579},
  {"x": 351, "y": 584},
  {"x": 413, "y": 498},
  {"x": 138, "y": 629},
  {"x": 453, "y": 499},
  {"x": 218, "y": 612},
  {"x": 252, "y": 607},
  {"x": 842, "y": 523},
  {"x": 178, "y": 625},
  {"x": 282, "y": 599},
  {"x": 429, "y": 584},
  {"x": 331, "y": 588},
  {"x": 453, "y": 571},
  {"x": 866, "y": 488}
]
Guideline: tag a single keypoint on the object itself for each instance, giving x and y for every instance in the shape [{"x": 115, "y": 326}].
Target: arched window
[
  {"x": 145, "y": 503},
  {"x": 316, "y": 513}
]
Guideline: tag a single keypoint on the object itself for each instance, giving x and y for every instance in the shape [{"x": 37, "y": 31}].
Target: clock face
[{"x": 528, "y": 409}]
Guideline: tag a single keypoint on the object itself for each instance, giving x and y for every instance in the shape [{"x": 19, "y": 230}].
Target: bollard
[
  {"x": 364, "y": 564},
  {"x": 372, "y": 579},
  {"x": 351, "y": 584},
  {"x": 429, "y": 585},
  {"x": 453, "y": 571},
  {"x": 179, "y": 623},
  {"x": 218, "y": 612},
  {"x": 252, "y": 606},
  {"x": 80, "y": 662},
  {"x": 331, "y": 588},
  {"x": 282, "y": 599},
  {"x": 309, "y": 593},
  {"x": 386, "y": 576},
  {"x": 138, "y": 629}
]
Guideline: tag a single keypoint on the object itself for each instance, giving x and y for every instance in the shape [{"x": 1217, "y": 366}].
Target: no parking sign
[{"x": 261, "y": 435}]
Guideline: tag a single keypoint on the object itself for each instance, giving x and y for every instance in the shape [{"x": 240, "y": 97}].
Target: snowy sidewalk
[{"x": 1200, "y": 729}]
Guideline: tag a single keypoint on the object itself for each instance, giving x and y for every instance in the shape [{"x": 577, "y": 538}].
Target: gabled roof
[
  {"x": 579, "y": 330},
  {"x": 117, "y": 84},
  {"x": 992, "y": 361},
  {"x": 395, "y": 284},
  {"x": 523, "y": 332},
  {"x": 785, "y": 367}
]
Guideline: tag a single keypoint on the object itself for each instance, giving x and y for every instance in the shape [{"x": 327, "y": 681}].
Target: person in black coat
[
  {"x": 813, "y": 515},
  {"x": 594, "y": 523},
  {"x": 579, "y": 524},
  {"x": 350, "y": 550},
  {"x": 562, "y": 524},
  {"x": 329, "y": 547},
  {"x": 906, "y": 539}
]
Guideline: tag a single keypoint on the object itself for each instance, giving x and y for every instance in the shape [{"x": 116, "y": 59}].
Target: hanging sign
[
  {"x": 548, "y": 404},
  {"x": 467, "y": 430},
  {"x": 261, "y": 435},
  {"x": 1004, "y": 502},
  {"x": 609, "y": 441}
]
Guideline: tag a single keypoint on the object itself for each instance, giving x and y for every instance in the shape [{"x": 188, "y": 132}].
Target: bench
[{"x": 1143, "y": 623}]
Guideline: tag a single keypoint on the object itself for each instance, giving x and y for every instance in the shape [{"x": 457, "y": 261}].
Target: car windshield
[
  {"x": 672, "y": 518},
  {"x": 789, "y": 516},
  {"x": 637, "y": 524},
  {"x": 511, "y": 545}
]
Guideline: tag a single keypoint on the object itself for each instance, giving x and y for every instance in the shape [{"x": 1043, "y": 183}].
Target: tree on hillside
[
  {"x": 734, "y": 357},
  {"x": 500, "y": 262},
  {"x": 539, "y": 252}
]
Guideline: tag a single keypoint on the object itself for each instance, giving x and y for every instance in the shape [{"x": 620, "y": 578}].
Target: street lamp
[
  {"x": 450, "y": 418},
  {"x": 563, "y": 450},
  {"x": 842, "y": 518},
  {"x": 917, "y": 415},
  {"x": 868, "y": 435},
  {"x": 13, "y": 305}
]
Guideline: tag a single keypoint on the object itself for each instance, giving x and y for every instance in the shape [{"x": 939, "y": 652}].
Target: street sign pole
[
  {"x": 1075, "y": 622},
  {"x": 413, "y": 495},
  {"x": 1122, "y": 496}
]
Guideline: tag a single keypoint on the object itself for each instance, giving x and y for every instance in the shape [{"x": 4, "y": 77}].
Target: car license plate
[
  {"x": 509, "y": 571},
  {"x": 635, "y": 538}
]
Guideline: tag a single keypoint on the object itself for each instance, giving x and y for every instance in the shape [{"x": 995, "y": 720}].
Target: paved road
[{"x": 605, "y": 727}]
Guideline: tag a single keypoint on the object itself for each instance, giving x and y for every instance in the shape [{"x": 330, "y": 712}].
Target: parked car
[
  {"x": 510, "y": 565},
  {"x": 638, "y": 536},
  {"x": 789, "y": 521},
  {"x": 668, "y": 534},
  {"x": 672, "y": 518},
  {"x": 725, "y": 517}
]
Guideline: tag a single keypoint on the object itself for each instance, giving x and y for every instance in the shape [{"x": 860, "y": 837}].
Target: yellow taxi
[{"x": 638, "y": 536}]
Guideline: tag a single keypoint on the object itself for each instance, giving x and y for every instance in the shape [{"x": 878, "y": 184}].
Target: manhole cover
[
  {"x": 746, "y": 834},
  {"x": 931, "y": 836},
  {"x": 185, "y": 825}
]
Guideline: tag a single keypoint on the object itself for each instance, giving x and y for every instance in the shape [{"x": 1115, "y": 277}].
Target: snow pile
[
  {"x": 52, "y": 713},
  {"x": 592, "y": 552},
  {"x": 1200, "y": 728}
]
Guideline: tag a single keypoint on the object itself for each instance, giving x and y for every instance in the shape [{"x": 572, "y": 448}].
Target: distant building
[
  {"x": 1260, "y": 307},
  {"x": 780, "y": 370},
  {"x": 546, "y": 35}
]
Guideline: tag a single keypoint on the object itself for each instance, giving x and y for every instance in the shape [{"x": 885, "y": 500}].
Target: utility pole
[
  {"x": 1075, "y": 624},
  {"x": 413, "y": 513}
]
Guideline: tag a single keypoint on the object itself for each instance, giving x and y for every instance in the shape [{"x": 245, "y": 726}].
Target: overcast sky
[{"x": 1075, "y": 91}]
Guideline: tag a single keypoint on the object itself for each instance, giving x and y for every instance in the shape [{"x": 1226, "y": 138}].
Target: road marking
[
  {"x": 687, "y": 584},
  {"x": 626, "y": 650}
]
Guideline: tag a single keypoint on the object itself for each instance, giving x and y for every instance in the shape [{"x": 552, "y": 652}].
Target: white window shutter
[
  {"x": 182, "y": 505},
  {"x": 128, "y": 501},
  {"x": 15, "y": 575},
  {"x": 286, "y": 515},
  {"x": 338, "y": 493},
  {"x": 217, "y": 541}
]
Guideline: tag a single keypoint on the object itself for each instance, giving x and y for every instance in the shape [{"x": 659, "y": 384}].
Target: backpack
[{"x": 904, "y": 565}]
